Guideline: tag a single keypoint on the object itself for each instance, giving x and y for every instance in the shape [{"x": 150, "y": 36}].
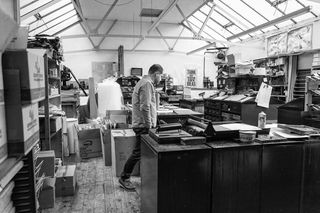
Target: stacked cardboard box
[
  {"x": 122, "y": 144},
  {"x": 3, "y": 133},
  {"x": 5, "y": 196},
  {"x": 48, "y": 163},
  {"x": 22, "y": 128},
  {"x": 65, "y": 181},
  {"x": 29, "y": 72},
  {"x": 90, "y": 139},
  {"x": 24, "y": 87},
  {"x": 47, "y": 194}
]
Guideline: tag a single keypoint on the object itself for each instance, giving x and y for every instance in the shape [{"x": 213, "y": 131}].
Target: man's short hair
[{"x": 155, "y": 68}]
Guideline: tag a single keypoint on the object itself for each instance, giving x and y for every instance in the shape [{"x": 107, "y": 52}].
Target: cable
[{"x": 111, "y": 4}]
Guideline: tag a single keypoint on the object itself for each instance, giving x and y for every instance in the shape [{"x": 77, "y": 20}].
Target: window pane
[
  {"x": 289, "y": 6},
  {"x": 264, "y": 8},
  {"x": 214, "y": 34},
  {"x": 33, "y": 6},
  {"x": 303, "y": 17},
  {"x": 25, "y": 2},
  {"x": 216, "y": 16},
  {"x": 218, "y": 28},
  {"x": 55, "y": 7},
  {"x": 235, "y": 18},
  {"x": 28, "y": 20},
  {"x": 206, "y": 9},
  {"x": 245, "y": 11},
  {"x": 200, "y": 16},
  {"x": 62, "y": 26}
]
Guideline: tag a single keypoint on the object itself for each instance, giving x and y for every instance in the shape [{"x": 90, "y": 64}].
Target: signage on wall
[
  {"x": 277, "y": 44},
  {"x": 191, "y": 78},
  {"x": 300, "y": 39},
  {"x": 293, "y": 41}
]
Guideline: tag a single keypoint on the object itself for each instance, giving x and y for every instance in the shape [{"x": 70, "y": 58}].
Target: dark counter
[{"x": 175, "y": 178}]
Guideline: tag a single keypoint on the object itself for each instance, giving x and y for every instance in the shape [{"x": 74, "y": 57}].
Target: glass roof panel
[
  {"x": 28, "y": 20},
  {"x": 206, "y": 9},
  {"x": 53, "y": 19},
  {"x": 303, "y": 17},
  {"x": 214, "y": 34},
  {"x": 315, "y": 7},
  {"x": 232, "y": 15},
  {"x": 289, "y": 6},
  {"x": 195, "y": 21},
  {"x": 203, "y": 33},
  {"x": 62, "y": 26},
  {"x": 25, "y": 2},
  {"x": 234, "y": 29},
  {"x": 55, "y": 7},
  {"x": 245, "y": 11},
  {"x": 285, "y": 23},
  {"x": 200, "y": 16},
  {"x": 218, "y": 28},
  {"x": 245, "y": 37},
  {"x": 264, "y": 8},
  {"x": 267, "y": 29},
  {"x": 219, "y": 18},
  {"x": 33, "y": 6}
]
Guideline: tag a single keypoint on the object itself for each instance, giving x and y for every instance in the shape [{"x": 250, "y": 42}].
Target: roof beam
[
  {"x": 186, "y": 20},
  {"x": 175, "y": 43},
  {"x": 84, "y": 23},
  {"x": 165, "y": 41},
  {"x": 60, "y": 22},
  {"x": 201, "y": 48},
  {"x": 108, "y": 31},
  {"x": 163, "y": 14},
  {"x": 106, "y": 15},
  {"x": 64, "y": 29},
  {"x": 198, "y": 8},
  {"x": 39, "y": 9},
  {"x": 273, "y": 22},
  {"x": 283, "y": 13},
  {"x": 248, "y": 5},
  {"x": 206, "y": 20}
]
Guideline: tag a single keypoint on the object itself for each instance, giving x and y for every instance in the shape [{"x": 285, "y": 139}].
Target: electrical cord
[{"x": 103, "y": 3}]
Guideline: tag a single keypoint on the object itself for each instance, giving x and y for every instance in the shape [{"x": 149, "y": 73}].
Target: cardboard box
[
  {"x": 22, "y": 128},
  {"x": 89, "y": 141},
  {"x": 48, "y": 158},
  {"x": 119, "y": 116},
  {"x": 28, "y": 75},
  {"x": 3, "y": 135},
  {"x": 65, "y": 180},
  {"x": 122, "y": 144},
  {"x": 47, "y": 194},
  {"x": 5, "y": 195}
]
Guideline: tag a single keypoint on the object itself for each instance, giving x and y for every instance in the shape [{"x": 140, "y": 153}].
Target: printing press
[{"x": 196, "y": 130}]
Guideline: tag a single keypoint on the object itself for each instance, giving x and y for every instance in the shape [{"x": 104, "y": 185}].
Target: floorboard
[{"x": 98, "y": 191}]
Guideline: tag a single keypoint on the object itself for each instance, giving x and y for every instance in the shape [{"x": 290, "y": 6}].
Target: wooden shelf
[
  {"x": 280, "y": 96},
  {"x": 9, "y": 168},
  {"x": 54, "y": 96}
]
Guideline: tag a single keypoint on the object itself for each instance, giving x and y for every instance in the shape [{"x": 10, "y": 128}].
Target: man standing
[{"x": 144, "y": 117}]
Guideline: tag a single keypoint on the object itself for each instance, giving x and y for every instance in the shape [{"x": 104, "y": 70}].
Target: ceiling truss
[{"x": 217, "y": 23}]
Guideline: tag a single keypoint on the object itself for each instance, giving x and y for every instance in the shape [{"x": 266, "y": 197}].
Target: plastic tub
[{"x": 247, "y": 136}]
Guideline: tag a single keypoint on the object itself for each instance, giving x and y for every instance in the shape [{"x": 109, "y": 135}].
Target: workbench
[
  {"x": 175, "y": 178},
  {"x": 272, "y": 177}
]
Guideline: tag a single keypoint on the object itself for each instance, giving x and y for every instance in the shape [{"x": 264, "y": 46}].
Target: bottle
[{"x": 262, "y": 120}]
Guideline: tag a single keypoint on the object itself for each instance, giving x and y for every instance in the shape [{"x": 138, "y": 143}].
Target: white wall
[
  {"x": 250, "y": 50},
  {"x": 174, "y": 64}
]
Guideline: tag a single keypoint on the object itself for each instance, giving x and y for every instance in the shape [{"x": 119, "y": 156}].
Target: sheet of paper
[
  {"x": 264, "y": 95},
  {"x": 285, "y": 134},
  {"x": 240, "y": 126}
]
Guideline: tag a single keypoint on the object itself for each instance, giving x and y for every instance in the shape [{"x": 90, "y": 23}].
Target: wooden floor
[{"x": 98, "y": 191}]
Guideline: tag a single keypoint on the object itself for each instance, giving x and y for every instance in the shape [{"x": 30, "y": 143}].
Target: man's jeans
[{"x": 135, "y": 155}]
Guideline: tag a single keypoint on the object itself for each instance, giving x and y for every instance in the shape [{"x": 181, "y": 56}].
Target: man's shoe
[{"x": 126, "y": 184}]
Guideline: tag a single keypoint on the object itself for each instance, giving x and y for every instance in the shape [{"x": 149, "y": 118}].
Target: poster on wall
[
  {"x": 102, "y": 70},
  {"x": 277, "y": 44},
  {"x": 191, "y": 77},
  {"x": 300, "y": 39}
]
